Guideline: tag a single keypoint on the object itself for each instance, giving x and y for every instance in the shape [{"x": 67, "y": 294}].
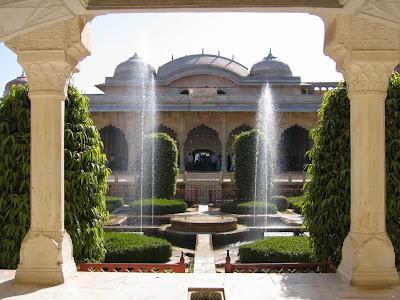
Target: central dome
[
  {"x": 133, "y": 68},
  {"x": 270, "y": 66}
]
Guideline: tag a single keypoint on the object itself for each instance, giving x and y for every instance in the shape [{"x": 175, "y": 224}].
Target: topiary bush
[
  {"x": 277, "y": 249},
  {"x": 327, "y": 199},
  {"x": 249, "y": 147},
  {"x": 280, "y": 202},
  {"x": 161, "y": 155},
  {"x": 116, "y": 201},
  {"x": 247, "y": 208},
  {"x": 128, "y": 247},
  {"x": 85, "y": 181},
  {"x": 157, "y": 207}
]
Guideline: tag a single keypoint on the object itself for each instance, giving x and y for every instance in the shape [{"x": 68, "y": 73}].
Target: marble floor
[{"x": 123, "y": 286}]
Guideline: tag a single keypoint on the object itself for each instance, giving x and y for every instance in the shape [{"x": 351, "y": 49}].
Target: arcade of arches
[{"x": 50, "y": 39}]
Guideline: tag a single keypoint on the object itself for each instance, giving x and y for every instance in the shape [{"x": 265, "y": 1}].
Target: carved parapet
[
  {"x": 51, "y": 54},
  {"x": 365, "y": 52}
]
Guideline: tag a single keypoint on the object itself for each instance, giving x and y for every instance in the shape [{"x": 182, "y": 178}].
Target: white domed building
[{"x": 203, "y": 101}]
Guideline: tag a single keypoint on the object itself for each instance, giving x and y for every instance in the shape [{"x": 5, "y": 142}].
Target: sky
[{"x": 296, "y": 39}]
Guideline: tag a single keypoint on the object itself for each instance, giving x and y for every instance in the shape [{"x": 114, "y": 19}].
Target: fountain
[
  {"x": 144, "y": 98},
  {"x": 266, "y": 123}
]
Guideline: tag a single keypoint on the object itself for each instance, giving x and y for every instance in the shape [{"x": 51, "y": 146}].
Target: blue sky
[{"x": 296, "y": 39}]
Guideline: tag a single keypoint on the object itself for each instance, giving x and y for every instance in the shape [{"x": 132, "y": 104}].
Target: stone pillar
[
  {"x": 223, "y": 145},
  {"x": 181, "y": 139},
  {"x": 366, "y": 53},
  {"x": 48, "y": 55}
]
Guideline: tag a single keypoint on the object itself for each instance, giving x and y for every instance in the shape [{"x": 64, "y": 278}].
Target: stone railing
[
  {"x": 191, "y": 197},
  {"x": 323, "y": 267},
  {"x": 221, "y": 197},
  {"x": 134, "y": 267}
]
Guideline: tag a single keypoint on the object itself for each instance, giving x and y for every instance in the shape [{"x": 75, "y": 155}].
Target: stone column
[
  {"x": 223, "y": 144},
  {"x": 48, "y": 55},
  {"x": 366, "y": 53},
  {"x": 181, "y": 139}
]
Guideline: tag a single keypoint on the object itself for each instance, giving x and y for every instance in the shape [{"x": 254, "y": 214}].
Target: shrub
[
  {"x": 247, "y": 208},
  {"x": 116, "y": 201},
  {"x": 164, "y": 161},
  {"x": 327, "y": 199},
  {"x": 158, "y": 206},
  {"x": 298, "y": 207},
  {"x": 292, "y": 200},
  {"x": 14, "y": 174},
  {"x": 128, "y": 247},
  {"x": 249, "y": 148},
  {"x": 110, "y": 207},
  {"x": 277, "y": 249},
  {"x": 85, "y": 181},
  {"x": 280, "y": 202}
]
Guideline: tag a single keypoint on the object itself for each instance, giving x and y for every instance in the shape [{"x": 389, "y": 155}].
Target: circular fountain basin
[{"x": 204, "y": 223}]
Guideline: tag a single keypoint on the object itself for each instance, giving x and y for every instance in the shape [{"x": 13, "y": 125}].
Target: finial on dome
[
  {"x": 23, "y": 73},
  {"x": 270, "y": 56},
  {"x": 135, "y": 56},
  {"x": 219, "y": 53},
  {"x": 202, "y": 50},
  {"x": 172, "y": 58}
]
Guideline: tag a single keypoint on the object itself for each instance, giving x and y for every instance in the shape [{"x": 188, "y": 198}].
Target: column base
[
  {"x": 368, "y": 260},
  {"x": 45, "y": 259}
]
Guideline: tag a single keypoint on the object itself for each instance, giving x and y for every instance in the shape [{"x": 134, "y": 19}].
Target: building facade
[{"x": 203, "y": 101}]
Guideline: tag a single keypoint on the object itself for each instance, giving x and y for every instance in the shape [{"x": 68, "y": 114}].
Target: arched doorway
[
  {"x": 294, "y": 144},
  {"x": 203, "y": 142},
  {"x": 115, "y": 148},
  {"x": 233, "y": 133}
]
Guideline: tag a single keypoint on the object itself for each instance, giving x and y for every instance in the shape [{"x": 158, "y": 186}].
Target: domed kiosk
[
  {"x": 20, "y": 80},
  {"x": 270, "y": 66}
]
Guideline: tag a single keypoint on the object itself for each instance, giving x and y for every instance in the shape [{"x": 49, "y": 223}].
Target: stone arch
[
  {"x": 204, "y": 138},
  {"x": 115, "y": 148},
  {"x": 165, "y": 129},
  {"x": 233, "y": 133},
  {"x": 293, "y": 145}
]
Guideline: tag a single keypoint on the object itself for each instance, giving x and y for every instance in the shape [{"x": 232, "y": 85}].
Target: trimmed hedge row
[
  {"x": 130, "y": 247},
  {"x": 158, "y": 206},
  {"x": 116, "y": 201},
  {"x": 277, "y": 249},
  {"x": 296, "y": 203},
  {"x": 247, "y": 208}
]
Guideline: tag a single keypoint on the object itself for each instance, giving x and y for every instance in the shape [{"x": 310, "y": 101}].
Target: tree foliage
[
  {"x": 85, "y": 181},
  {"x": 160, "y": 173},
  {"x": 253, "y": 172},
  {"x": 14, "y": 174},
  {"x": 327, "y": 198},
  {"x": 85, "y": 177}
]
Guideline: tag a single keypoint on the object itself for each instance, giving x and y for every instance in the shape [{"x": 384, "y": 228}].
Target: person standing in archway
[{"x": 190, "y": 159}]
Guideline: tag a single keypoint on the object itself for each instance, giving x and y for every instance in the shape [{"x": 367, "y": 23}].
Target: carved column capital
[
  {"x": 49, "y": 55},
  {"x": 365, "y": 52}
]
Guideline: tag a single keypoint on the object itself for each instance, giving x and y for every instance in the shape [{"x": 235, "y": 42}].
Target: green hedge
[
  {"x": 116, "y": 201},
  {"x": 110, "y": 207},
  {"x": 292, "y": 200},
  {"x": 277, "y": 249},
  {"x": 128, "y": 247},
  {"x": 158, "y": 207},
  {"x": 253, "y": 158},
  {"x": 298, "y": 207},
  {"x": 161, "y": 149},
  {"x": 280, "y": 202},
  {"x": 247, "y": 208}
]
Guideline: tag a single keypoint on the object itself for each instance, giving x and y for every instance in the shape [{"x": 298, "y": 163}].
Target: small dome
[
  {"x": 271, "y": 67},
  {"x": 133, "y": 68},
  {"x": 21, "y": 80}
]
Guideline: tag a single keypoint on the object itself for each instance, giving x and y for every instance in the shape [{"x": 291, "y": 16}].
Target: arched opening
[
  {"x": 203, "y": 142},
  {"x": 115, "y": 148},
  {"x": 294, "y": 144},
  {"x": 233, "y": 133}
]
